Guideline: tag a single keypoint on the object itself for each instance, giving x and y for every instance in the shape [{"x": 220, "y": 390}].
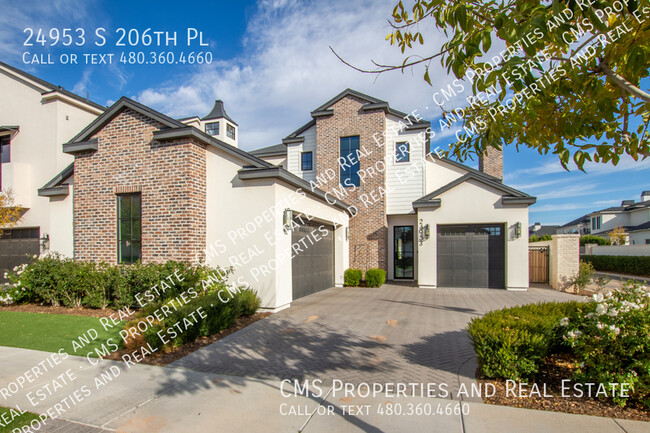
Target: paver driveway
[{"x": 391, "y": 334}]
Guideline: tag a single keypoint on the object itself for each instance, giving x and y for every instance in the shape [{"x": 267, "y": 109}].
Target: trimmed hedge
[
  {"x": 375, "y": 277},
  {"x": 593, "y": 239},
  {"x": 353, "y": 277},
  {"x": 630, "y": 265},
  {"x": 512, "y": 342}
]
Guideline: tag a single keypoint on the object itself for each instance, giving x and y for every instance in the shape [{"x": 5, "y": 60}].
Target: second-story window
[
  {"x": 306, "y": 162},
  {"x": 402, "y": 152},
  {"x": 212, "y": 128},
  {"x": 349, "y": 162},
  {"x": 596, "y": 222},
  {"x": 5, "y": 155},
  {"x": 230, "y": 131}
]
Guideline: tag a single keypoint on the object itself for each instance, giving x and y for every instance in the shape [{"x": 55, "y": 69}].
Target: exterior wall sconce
[
  {"x": 45, "y": 242},
  {"x": 287, "y": 216},
  {"x": 427, "y": 231},
  {"x": 347, "y": 233},
  {"x": 517, "y": 230}
]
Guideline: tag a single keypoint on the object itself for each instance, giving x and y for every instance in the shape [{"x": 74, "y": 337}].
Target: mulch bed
[
  {"x": 555, "y": 369},
  {"x": 162, "y": 359},
  {"x": 47, "y": 309}
]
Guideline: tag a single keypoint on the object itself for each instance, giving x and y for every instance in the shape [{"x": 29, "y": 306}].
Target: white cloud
[{"x": 287, "y": 68}]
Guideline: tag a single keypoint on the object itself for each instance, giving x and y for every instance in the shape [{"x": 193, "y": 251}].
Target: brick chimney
[{"x": 491, "y": 162}]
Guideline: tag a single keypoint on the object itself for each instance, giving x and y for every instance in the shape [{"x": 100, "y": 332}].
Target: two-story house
[
  {"x": 35, "y": 118},
  {"x": 632, "y": 216},
  {"x": 420, "y": 217}
]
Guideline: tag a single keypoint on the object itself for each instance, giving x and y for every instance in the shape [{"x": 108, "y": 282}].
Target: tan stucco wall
[
  {"x": 36, "y": 150},
  {"x": 473, "y": 203}
]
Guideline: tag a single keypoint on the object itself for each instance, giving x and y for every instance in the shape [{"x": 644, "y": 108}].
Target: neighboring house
[
  {"x": 538, "y": 229},
  {"x": 633, "y": 216},
  {"x": 148, "y": 187},
  {"x": 420, "y": 217},
  {"x": 580, "y": 226},
  {"x": 35, "y": 118}
]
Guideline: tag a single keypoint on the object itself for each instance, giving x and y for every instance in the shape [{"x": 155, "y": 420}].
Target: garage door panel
[
  {"x": 313, "y": 267},
  {"x": 471, "y": 255}
]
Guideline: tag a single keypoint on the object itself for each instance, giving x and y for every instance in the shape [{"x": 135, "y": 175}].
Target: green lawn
[
  {"x": 53, "y": 332},
  {"x": 7, "y": 424}
]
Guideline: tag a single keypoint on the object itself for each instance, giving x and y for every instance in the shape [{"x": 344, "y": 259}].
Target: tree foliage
[
  {"x": 10, "y": 212},
  {"x": 617, "y": 236},
  {"x": 560, "y": 76}
]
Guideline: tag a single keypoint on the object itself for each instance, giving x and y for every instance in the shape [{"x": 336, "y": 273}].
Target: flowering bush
[{"x": 612, "y": 343}]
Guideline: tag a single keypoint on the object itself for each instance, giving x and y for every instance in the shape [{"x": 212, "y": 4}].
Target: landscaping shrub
[
  {"x": 593, "y": 239},
  {"x": 612, "y": 343},
  {"x": 353, "y": 277},
  {"x": 250, "y": 302},
  {"x": 535, "y": 238},
  {"x": 512, "y": 342},
  {"x": 585, "y": 272},
  {"x": 630, "y": 265},
  {"x": 375, "y": 277},
  {"x": 56, "y": 280}
]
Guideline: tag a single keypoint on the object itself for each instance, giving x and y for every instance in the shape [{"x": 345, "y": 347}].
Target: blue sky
[{"x": 272, "y": 65}]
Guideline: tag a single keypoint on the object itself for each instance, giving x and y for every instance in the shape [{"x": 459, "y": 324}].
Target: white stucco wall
[
  {"x": 610, "y": 221},
  {"x": 639, "y": 216},
  {"x": 36, "y": 150},
  {"x": 275, "y": 160},
  {"x": 640, "y": 249},
  {"x": 401, "y": 220},
  {"x": 640, "y": 237},
  {"x": 254, "y": 209},
  {"x": 473, "y": 203},
  {"x": 440, "y": 173},
  {"x": 61, "y": 229}
]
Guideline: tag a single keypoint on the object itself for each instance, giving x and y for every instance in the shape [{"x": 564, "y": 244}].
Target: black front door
[{"x": 403, "y": 263}]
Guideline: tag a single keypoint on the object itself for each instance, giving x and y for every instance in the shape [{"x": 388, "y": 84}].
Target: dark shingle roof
[
  {"x": 218, "y": 112},
  {"x": 583, "y": 219},
  {"x": 543, "y": 230},
  {"x": 53, "y": 87},
  {"x": 275, "y": 150}
]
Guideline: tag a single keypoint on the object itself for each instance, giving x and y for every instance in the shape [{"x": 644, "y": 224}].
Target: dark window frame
[
  {"x": 302, "y": 161},
  {"x": 401, "y": 157},
  {"x": 349, "y": 146},
  {"x": 135, "y": 254},
  {"x": 230, "y": 131},
  {"x": 207, "y": 129}
]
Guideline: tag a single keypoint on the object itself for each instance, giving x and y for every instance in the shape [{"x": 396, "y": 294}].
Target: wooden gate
[{"x": 538, "y": 264}]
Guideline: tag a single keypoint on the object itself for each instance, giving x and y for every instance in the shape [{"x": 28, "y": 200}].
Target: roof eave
[{"x": 54, "y": 191}]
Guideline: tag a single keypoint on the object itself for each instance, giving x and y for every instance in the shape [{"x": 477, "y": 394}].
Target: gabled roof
[
  {"x": 56, "y": 186},
  {"x": 115, "y": 109},
  {"x": 51, "y": 87},
  {"x": 543, "y": 230},
  {"x": 510, "y": 195},
  {"x": 275, "y": 150},
  {"x": 218, "y": 112},
  {"x": 372, "y": 103},
  {"x": 583, "y": 219}
]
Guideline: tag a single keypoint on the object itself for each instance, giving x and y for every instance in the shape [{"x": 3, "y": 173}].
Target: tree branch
[{"x": 623, "y": 83}]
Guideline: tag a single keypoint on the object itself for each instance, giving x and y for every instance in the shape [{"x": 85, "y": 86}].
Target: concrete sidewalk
[{"x": 144, "y": 399}]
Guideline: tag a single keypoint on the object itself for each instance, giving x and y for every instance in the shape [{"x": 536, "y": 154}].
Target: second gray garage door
[
  {"x": 471, "y": 255},
  {"x": 313, "y": 267}
]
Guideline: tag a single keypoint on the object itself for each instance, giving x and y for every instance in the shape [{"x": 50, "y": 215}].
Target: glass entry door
[{"x": 403, "y": 263}]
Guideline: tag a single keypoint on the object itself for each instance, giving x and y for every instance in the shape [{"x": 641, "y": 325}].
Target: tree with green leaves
[{"x": 560, "y": 76}]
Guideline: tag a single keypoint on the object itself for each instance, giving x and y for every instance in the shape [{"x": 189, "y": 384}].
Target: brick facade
[
  {"x": 369, "y": 228},
  {"x": 491, "y": 162},
  {"x": 170, "y": 175}
]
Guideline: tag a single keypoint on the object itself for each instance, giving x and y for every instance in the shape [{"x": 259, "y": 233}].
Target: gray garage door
[
  {"x": 471, "y": 255},
  {"x": 17, "y": 246},
  {"x": 313, "y": 261}
]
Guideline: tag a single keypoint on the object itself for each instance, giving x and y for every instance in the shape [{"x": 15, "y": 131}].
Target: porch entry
[{"x": 403, "y": 253}]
